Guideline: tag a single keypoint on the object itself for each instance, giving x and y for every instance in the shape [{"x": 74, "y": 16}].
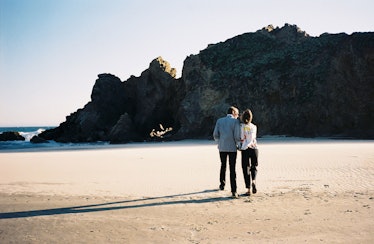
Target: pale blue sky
[{"x": 51, "y": 51}]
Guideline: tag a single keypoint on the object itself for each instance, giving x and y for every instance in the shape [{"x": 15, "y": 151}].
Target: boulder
[
  {"x": 11, "y": 136},
  {"x": 37, "y": 139}
]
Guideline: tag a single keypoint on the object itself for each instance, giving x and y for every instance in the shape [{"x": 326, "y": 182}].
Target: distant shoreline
[{"x": 19, "y": 147}]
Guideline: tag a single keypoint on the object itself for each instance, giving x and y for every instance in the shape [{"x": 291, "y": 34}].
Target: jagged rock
[
  {"x": 153, "y": 97},
  {"x": 288, "y": 33},
  {"x": 123, "y": 111},
  {"x": 295, "y": 85},
  {"x": 37, "y": 139},
  {"x": 203, "y": 101},
  {"x": 11, "y": 136},
  {"x": 124, "y": 131},
  {"x": 96, "y": 119}
]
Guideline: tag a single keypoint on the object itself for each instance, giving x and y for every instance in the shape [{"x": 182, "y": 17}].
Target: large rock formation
[
  {"x": 152, "y": 100},
  {"x": 123, "y": 111},
  {"x": 295, "y": 84},
  {"x": 96, "y": 119}
]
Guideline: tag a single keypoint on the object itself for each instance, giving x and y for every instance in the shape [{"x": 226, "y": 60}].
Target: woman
[{"x": 249, "y": 151}]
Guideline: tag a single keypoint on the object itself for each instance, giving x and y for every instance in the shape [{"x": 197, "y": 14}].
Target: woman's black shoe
[{"x": 254, "y": 190}]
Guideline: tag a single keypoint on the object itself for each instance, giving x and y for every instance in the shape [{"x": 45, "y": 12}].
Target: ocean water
[{"x": 29, "y": 132}]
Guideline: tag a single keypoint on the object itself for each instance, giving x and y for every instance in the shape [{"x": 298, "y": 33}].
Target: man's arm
[
  {"x": 237, "y": 134},
  {"x": 216, "y": 132}
]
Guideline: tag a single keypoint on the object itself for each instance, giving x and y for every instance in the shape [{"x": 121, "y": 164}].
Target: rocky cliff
[{"x": 295, "y": 85}]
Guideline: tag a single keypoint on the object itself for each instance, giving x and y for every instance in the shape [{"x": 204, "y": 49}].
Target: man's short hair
[{"x": 232, "y": 109}]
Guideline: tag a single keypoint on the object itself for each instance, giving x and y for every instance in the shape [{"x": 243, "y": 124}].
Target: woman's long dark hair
[{"x": 247, "y": 116}]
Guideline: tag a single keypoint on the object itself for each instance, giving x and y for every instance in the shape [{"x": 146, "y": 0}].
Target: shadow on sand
[{"x": 163, "y": 200}]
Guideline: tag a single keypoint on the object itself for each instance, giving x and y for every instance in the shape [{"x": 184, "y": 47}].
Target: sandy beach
[{"x": 309, "y": 190}]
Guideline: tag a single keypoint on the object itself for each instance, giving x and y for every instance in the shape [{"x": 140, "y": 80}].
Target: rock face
[
  {"x": 294, "y": 84},
  {"x": 96, "y": 119},
  {"x": 120, "y": 112},
  {"x": 11, "y": 136},
  {"x": 38, "y": 140},
  {"x": 153, "y": 98}
]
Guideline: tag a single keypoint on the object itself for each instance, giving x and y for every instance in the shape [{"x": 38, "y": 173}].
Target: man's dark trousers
[{"x": 232, "y": 164}]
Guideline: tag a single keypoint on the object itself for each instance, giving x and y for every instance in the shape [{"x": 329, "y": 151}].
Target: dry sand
[{"x": 314, "y": 191}]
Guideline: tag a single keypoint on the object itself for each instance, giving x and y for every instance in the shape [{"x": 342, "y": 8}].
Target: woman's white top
[{"x": 248, "y": 134}]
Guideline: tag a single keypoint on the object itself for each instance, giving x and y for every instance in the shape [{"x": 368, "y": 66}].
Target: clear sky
[{"x": 52, "y": 51}]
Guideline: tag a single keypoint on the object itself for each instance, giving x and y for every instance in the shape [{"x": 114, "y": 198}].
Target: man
[{"x": 227, "y": 133}]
